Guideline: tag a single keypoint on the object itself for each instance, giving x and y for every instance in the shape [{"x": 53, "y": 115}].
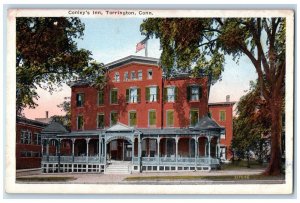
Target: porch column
[
  {"x": 47, "y": 149},
  {"x": 205, "y": 148},
  {"x": 73, "y": 149},
  {"x": 176, "y": 152},
  {"x": 42, "y": 150},
  {"x": 208, "y": 139},
  {"x": 218, "y": 148},
  {"x": 58, "y": 153},
  {"x": 196, "y": 151},
  {"x": 132, "y": 150},
  {"x": 99, "y": 148},
  {"x": 87, "y": 149},
  {"x": 105, "y": 151},
  {"x": 139, "y": 153},
  {"x": 158, "y": 149}
]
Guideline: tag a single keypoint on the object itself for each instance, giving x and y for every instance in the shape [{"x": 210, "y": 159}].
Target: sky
[{"x": 115, "y": 38}]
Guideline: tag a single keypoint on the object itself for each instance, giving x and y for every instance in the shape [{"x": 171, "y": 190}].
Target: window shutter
[
  {"x": 157, "y": 93},
  {"x": 188, "y": 93},
  {"x": 139, "y": 95},
  {"x": 127, "y": 95},
  {"x": 165, "y": 94},
  {"x": 200, "y": 92},
  {"x": 147, "y": 94},
  {"x": 176, "y": 93}
]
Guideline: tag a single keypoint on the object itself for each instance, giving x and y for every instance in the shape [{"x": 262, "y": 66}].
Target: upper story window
[
  {"x": 170, "y": 118},
  {"x": 25, "y": 137},
  {"x": 149, "y": 74},
  {"x": 133, "y": 76},
  {"x": 38, "y": 139},
  {"x": 100, "y": 120},
  {"x": 100, "y": 98},
  {"x": 140, "y": 75},
  {"x": 152, "y": 118},
  {"x": 80, "y": 122},
  {"x": 117, "y": 77},
  {"x": 79, "y": 99},
  {"x": 194, "y": 93},
  {"x": 126, "y": 76},
  {"x": 114, "y": 96},
  {"x": 113, "y": 118},
  {"x": 132, "y": 119},
  {"x": 133, "y": 95},
  {"x": 194, "y": 117},
  {"x": 222, "y": 115},
  {"x": 170, "y": 94},
  {"x": 152, "y": 94}
]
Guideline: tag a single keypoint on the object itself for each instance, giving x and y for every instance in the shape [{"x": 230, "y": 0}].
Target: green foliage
[
  {"x": 48, "y": 56},
  {"x": 251, "y": 126},
  {"x": 65, "y": 120}
]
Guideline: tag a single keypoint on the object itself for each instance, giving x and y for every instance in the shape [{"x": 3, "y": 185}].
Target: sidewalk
[{"x": 119, "y": 179}]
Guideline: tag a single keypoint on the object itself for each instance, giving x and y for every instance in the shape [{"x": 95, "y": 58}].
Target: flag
[{"x": 141, "y": 45}]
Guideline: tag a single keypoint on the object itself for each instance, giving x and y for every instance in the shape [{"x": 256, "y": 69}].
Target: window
[
  {"x": 38, "y": 138},
  {"x": 133, "y": 95},
  {"x": 25, "y": 137},
  {"x": 170, "y": 118},
  {"x": 100, "y": 98},
  {"x": 222, "y": 115},
  {"x": 113, "y": 118},
  {"x": 194, "y": 93},
  {"x": 140, "y": 75},
  {"x": 132, "y": 119},
  {"x": 152, "y": 118},
  {"x": 79, "y": 122},
  {"x": 114, "y": 96},
  {"x": 126, "y": 76},
  {"x": 170, "y": 94},
  {"x": 149, "y": 75},
  {"x": 133, "y": 75},
  {"x": 152, "y": 94},
  {"x": 80, "y": 99},
  {"x": 117, "y": 77},
  {"x": 194, "y": 115},
  {"x": 100, "y": 120}
]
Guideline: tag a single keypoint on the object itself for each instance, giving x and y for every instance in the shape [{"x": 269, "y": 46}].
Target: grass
[
  {"x": 237, "y": 165},
  {"x": 213, "y": 178},
  {"x": 45, "y": 179}
]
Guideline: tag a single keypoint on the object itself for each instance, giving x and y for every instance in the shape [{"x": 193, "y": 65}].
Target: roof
[
  {"x": 222, "y": 103},
  {"x": 54, "y": 128},
  {"x": 132, "y": 58},
  {"x": 207, "y": 123},
  {"x": 31, "y": 122}
]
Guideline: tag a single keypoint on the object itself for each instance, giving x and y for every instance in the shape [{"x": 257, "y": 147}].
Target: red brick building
[
  {"x": 153, "y": 122},
  {"x": 222, "y": 113},
  {"x": 28, "y": 143}
]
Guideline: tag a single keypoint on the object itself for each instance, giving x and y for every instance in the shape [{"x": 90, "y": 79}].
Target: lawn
[
  {"x": 236, "y": 165},
  {"x": 44, "y": 179},
  {"x": 213, "y": 178}
]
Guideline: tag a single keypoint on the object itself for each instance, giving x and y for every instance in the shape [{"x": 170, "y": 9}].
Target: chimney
[
  {"x": 227, "y": 98},
  {"x": 47, "y": 114}
]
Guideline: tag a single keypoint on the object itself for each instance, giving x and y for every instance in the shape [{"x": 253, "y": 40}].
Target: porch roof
[
  {"x": 207, "y": 123},
  {"x": 54, "y": 128}
]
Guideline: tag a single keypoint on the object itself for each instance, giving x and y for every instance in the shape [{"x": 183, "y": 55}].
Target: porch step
[{"x": 118, "y": 169}]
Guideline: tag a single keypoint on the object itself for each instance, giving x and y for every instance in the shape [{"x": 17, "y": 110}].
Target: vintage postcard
[{"x": 108, "y": 101}]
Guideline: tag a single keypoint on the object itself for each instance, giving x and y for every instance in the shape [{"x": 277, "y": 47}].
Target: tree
[
  {"x": 200, "y": 44},
  {"x": 252, "y": 126},
  {"x": 65, "y": 120},
  {"x": 48, "y": 56}
]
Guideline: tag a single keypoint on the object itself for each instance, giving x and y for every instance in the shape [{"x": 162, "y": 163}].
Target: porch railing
[{"x": 77, "y": 159}]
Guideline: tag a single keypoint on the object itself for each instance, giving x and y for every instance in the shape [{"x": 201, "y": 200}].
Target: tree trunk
[{"x": 276, "y": 130}]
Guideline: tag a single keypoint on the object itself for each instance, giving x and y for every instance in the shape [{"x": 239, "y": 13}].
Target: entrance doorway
[{"x": 119, "y": 150}]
